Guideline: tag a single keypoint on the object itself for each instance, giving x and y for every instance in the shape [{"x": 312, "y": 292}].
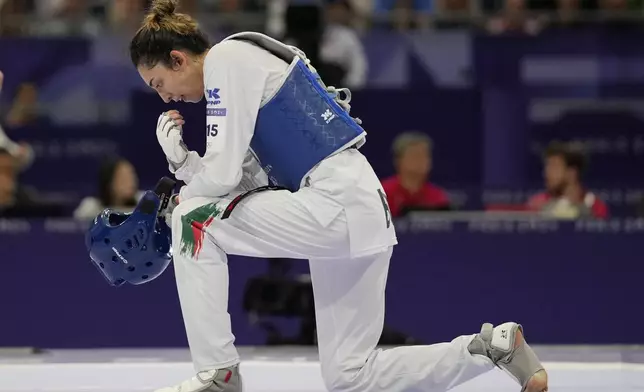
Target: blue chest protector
[{"x": 303, "y": 123}]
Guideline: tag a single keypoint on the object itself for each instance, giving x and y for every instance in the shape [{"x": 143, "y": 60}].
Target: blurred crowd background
[
  {"x": 493, "y": 110},
  {"x": 92, "y": 17},
  {"x": 70, "y": 49}
]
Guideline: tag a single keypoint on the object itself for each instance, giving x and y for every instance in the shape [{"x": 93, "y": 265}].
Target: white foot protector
[
  {"x": 506, "y": 347},
  {"x": 222, "y": 380}
]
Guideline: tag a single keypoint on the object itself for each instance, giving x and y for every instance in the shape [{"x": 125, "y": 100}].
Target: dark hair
[
  {"x": 163, "y": 31},
  {"x": 573, "y": 155},
  {"x": 106, "y": 178}
]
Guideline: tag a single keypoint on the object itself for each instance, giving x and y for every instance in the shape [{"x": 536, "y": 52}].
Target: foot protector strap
[{"x": 515, "y": 358}]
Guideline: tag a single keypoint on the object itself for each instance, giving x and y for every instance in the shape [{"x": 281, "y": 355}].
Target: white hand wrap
[{"x": 170, "y": 138}]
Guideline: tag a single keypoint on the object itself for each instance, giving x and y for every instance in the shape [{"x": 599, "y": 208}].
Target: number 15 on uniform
[{"x": 212, "y": 130}]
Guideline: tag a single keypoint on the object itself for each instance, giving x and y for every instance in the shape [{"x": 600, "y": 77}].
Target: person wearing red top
[
  {"x": 565, "y": 196},
  {"x": 409, "y": 188}
]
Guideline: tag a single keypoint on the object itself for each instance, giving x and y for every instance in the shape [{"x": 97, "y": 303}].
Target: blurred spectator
[
  {"x": 124, "y": 16},
  {"x": 12, "y": 13},
  {"x": 24, "y": 110},
  {"x": 276, "y": 18},
  {"x": 616, "y": 6},
  {"x": 514, "y": 17},
  {"x": 619, "y": 13},
  {"x": 117, "y": 188},
  {"x": 305, "y": 29},
  {"x": 10, "y": 194},
  {"x": 65, "y": 17},
  {"x": 18, "y": 201},
  {"x": 406, "y": 13},
  {"x": 409, "y": 189},
  {"x": 565, "y": 195},
  {"x": 454, "y": 13},
  {"x": 568, "y": 14},
  {"x": 22, "y": 152},
  {"x": 49, "y": 8},
  {"x": 341, "y": 45}
]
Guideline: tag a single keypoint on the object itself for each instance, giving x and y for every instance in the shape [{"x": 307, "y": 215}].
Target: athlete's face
[{"x": 181, "y": 82}]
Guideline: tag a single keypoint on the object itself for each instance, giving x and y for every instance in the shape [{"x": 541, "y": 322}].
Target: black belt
[
  {"x": 231, "y": 206},
  {"x": 242, "y": 196}
]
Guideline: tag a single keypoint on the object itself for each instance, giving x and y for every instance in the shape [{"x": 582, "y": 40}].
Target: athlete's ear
[{"x": 178, "y": 59}]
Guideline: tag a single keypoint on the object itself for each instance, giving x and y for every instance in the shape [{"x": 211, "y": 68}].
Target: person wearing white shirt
[
  {"x": 282, "y": 176},
  {"x": 117, "y": 189},
  {"x": 22, "y": 152},
  {"x": 341, "y": 44}
]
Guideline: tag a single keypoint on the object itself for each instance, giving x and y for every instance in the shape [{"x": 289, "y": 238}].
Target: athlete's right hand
[{"x": 170, "y": 137}]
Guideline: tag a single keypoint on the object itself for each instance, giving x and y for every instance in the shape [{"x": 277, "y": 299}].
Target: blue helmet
[{"x": 133, "y": 247}]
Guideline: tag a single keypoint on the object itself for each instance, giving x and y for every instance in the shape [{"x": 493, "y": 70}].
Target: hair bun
[{"x": 163, "y": 8}]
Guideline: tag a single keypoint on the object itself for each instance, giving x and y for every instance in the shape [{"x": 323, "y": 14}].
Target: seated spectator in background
[
  {"x": 12, "y": 13},
  {"x": 342, "y": 47},
  {"x": 117, "y": 188},
  {"x": 565, "y": 196},
  {"x": 21, "y": 151},
  {"x": 409, "y": 189},
  {"x": 64, "y": 18},
  {"x": 304, "y": 24},
  {"x": 514, "y": 17},
  {"x": 569, "y": 13},
  {"x": 621, "y": 14},
  {"x": 455, "y": 14},
  {"x": 18, "y": 201},
  {"x": 24, "y": 109},
  {"x": 306, "y": 29},
  {"x": 124, "y": 16}
]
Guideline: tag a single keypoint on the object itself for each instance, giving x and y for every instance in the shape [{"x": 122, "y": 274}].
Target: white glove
[{"x": 170, "y": 138}]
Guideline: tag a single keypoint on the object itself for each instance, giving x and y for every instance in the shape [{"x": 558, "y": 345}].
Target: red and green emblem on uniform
[{"x": 193, "y": 226}]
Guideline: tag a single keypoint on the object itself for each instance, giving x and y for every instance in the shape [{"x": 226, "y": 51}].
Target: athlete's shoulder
[{"x": 226, "y": 53}]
